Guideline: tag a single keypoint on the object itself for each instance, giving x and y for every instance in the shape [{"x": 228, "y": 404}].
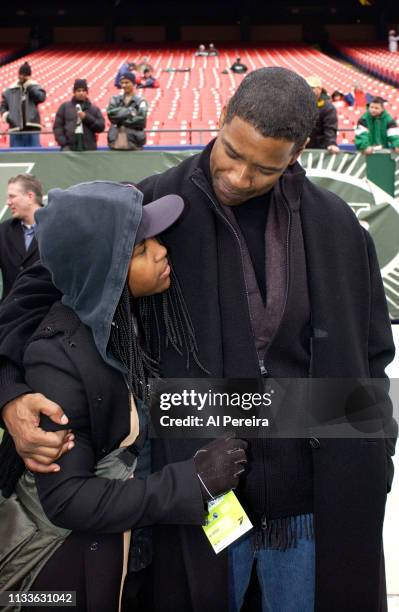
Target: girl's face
[{"x": 149, "y": 270}]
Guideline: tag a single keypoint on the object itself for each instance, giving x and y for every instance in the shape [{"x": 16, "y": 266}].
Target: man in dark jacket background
[
  {"x": 19, "y": 108},
  {"x": 18, "y": 246},
  {"x": 281, "y": 281},
  {"x": 324, "y": 135},
  {"x": 78, "y": 121}
]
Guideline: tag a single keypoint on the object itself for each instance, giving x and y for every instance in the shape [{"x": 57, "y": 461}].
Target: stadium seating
[
  {"x": 186, "y": 100},
  {"x": 376, "y": 60}
]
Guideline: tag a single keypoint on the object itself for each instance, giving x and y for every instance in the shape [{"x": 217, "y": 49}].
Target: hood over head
[{"x": 86, "y": 236}]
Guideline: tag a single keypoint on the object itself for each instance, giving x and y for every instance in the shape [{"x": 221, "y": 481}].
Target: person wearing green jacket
[{"x": 376, "y": 129}]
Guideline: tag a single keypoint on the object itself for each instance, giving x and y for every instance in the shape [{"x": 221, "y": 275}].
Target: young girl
[{"x": 93, "y": 354}]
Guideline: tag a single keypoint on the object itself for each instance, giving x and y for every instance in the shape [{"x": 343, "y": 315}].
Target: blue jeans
[
  {"x": 25, "y": 140},
  {"x": 286, "y": 578}
]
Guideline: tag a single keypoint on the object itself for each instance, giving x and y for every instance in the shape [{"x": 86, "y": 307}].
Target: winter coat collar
[{"x": 18, "y": 85}]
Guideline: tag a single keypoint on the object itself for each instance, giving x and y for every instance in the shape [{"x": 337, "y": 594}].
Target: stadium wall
[
  {"x": 15, "y": 36},
  {"x": 363, "y": 33}
]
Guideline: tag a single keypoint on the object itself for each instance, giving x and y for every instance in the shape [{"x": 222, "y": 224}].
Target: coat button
[
  {"x": 94, "y": 546},
  {"x": 21, "y": 268},
  {"x": 314, "y": 443}
]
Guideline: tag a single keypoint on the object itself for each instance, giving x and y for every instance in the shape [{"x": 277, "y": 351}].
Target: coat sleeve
[
  {"x": 20, "y": 313},
  {"x": 330, "y": 125},
  {"x": 36, "y": 93},
  {"x": 362, "y": 135},
  {"x": 381, "y": 351},
  {"x": 139, "y": 119},
  {"x": 75, "y": 498},
  {"x": 59, "y": 126},
  {"x": 4, "y": 108},
  {"x": 94, "y": 119},
  {"x": 393, "y": 134},
  {"x": 117, "y": 114}
]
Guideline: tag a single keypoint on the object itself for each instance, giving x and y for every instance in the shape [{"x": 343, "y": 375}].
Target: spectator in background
[
  {"x": 212, "y": 51},
  {"x": 359, "y": 98},
  {"x": 324, "y": 135},
  {"x": 78, "y": 121},
  {"x": 393, "y": 41},
  {"x": 148, "y": 80},
  {"x": 128, "y": 115},
  {"x": 19, "y": 108},
  {"x": 238, "y": 67},
  {"x": 376, "y": 129},
  {"x": 18, "y": 246},
  {"x": 144, "y": 65},
  {"x": 338, "y": 99},
  {"x": 201, "y": 51},
  {"x": 124, "y": 68}
]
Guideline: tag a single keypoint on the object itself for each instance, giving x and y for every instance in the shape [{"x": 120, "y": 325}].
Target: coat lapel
[{"x": 17, "y": 238}]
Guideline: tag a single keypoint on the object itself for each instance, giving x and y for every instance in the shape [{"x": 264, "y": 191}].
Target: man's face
[
  {"x": 376, "y": 109},
  {"x": 22, "y": 78},
  {"x": 20, "y": 204},
  {"x": 127, "y": 86},
  {"x": 317, "y": 92},
  {"x": 80, "y": 94},
  {"x": 244, "y": 164}
]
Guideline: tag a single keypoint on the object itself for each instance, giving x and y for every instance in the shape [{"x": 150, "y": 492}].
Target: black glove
[{"x": 219, "y": 465}]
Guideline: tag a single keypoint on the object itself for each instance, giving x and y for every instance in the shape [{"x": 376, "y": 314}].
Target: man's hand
[
  {"x": 368, "y": 151},
  {"x": 333, "y": 149},
  {"x": 81, "y": 115},
  {"x": 396, "y": 149},
  {"x": 38, "y": 448}
]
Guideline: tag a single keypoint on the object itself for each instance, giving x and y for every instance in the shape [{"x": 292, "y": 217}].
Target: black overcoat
[
  {"x": 348, "y": 304},
  {"x": 13, "y": 256}
]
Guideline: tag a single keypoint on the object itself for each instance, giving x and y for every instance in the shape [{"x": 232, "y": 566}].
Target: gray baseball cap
[{"x": 158, "y": 216}]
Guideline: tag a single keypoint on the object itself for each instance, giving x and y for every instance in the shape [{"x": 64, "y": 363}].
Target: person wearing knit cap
[
  {"x": 78, "y": 121},
  {"x": 19, "y": 108},
  {"x": 125, "y": 68},
  {"x": 128, "y": 115}
]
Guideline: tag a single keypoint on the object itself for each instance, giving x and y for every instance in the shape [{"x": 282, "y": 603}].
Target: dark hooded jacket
[{"x": 350, "y": 477}]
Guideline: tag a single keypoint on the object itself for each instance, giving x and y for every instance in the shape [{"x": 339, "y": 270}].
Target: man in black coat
[
  {"x": 18, "y": 246},
  {"x": 281, "y": 281},
  {"x": 324, "y": 134},
  {"x": 78, "y": 121}
]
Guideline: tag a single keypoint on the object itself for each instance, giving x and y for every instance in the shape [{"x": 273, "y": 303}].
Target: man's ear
[
  {"x": 222, "y": 117},
  {"x": 298, "y": 152}
]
